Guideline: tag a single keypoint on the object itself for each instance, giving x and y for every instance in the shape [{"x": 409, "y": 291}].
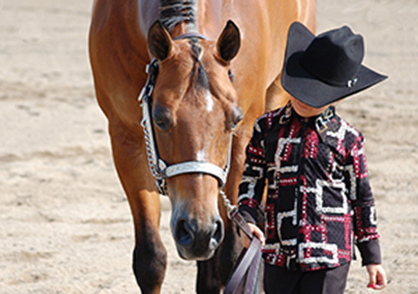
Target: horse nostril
[
  {"x": 218, "y": 235},
  {"x": 184, "y": 233}
]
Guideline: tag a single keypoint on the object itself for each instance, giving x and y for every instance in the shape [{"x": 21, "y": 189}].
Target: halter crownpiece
[{"x": 189, "y": 35}]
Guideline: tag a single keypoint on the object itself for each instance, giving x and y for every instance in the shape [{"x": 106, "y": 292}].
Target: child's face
[{"x": 305, "y": 110}]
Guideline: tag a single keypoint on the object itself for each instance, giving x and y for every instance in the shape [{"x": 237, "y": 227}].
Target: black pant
[{"x": 279, "y": 280}]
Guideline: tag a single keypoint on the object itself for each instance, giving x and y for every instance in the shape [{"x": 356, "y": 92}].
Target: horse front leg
[
  {"x": 149, "y": 255},
  {"x": 207, "y": 279}
]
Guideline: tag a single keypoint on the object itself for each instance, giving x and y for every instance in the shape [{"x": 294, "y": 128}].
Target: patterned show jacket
[{"x": 319, "y": 202}]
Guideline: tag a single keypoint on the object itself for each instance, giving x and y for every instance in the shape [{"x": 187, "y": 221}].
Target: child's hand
[
  {"x": 256, "y": 232},
  {"x": 377, "y": 276}
]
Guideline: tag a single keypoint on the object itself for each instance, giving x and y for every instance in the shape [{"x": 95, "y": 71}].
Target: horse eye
[{"x": 162, "y": 118}]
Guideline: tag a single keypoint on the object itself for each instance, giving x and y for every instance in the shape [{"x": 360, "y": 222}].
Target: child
[{"x": 319, "y": 202}]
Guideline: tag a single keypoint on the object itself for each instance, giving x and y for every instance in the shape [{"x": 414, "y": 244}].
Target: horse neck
[{"x": 185, "y": 16}]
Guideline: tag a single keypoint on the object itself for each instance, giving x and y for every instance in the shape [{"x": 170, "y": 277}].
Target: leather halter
[
  {"x": 191, "y": 35},
  {"x": 159, "y": 169}
]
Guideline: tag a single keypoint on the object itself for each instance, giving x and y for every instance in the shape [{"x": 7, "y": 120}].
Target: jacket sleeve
[
  {"x": 253, "y": 179},
  {"x": 365, "y": 229}
]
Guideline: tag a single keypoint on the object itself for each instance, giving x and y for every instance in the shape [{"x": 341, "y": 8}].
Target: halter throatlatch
[{"x": 158, "y": 167}]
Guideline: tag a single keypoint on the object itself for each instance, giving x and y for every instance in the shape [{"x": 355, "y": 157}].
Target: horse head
[{"x": 194, "y": 111}]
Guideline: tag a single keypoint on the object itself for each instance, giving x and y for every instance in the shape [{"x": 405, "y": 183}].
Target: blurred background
[{"x": 65, "y": 225}]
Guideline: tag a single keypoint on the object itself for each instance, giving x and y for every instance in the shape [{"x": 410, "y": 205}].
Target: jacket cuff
[
  {"x": 370, "y": 252},
  {"x": 248, "y": 217}
]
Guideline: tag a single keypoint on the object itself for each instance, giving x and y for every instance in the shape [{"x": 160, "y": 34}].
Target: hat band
[{"x": 347, "y": 83}]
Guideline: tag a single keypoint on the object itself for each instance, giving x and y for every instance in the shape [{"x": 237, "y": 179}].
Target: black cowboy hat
[{"x": 323, "y": 69}]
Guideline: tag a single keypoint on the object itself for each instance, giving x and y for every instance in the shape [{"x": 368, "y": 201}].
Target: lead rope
[{"x": 243, "y": 278}]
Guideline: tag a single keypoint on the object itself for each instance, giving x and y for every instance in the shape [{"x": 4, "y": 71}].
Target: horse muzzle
[{"x": 195, "y": 238}]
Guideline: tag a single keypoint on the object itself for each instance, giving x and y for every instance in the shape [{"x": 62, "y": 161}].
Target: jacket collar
[
  {"x": 321, "y": 121},
  {"x": 326, "y": 121}
]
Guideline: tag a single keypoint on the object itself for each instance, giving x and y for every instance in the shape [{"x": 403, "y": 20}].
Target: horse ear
[
  {"x": 159, "y": 41},
  {"x": 229, "y": 41}
]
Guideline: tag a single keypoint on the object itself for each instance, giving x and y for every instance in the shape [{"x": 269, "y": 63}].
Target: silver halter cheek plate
[{"x": 158, "y": 167}]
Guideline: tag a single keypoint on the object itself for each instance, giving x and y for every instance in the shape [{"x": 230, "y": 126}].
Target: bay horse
[{"x": 213, "y": 68}]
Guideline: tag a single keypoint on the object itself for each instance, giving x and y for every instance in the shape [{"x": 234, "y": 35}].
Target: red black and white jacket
[{"x": 319, "y": 201}]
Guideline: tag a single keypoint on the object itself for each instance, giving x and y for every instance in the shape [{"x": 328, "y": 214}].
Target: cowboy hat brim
[{"x": 308, "y": 89}]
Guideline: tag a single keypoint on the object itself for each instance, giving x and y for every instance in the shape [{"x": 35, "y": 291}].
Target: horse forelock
[
  {"x": 197, "y": 51},
  {"x": 174, "y": 12}
]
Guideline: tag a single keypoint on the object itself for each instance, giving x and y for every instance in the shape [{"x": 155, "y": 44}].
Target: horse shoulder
[{"x": 118, "y": 55}]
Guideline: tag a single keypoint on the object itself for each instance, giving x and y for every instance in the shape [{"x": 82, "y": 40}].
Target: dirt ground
[{"x": 65, "y": 225}]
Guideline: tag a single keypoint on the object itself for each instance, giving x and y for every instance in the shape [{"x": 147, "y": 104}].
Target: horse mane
[{"x": 174, "y": 12}]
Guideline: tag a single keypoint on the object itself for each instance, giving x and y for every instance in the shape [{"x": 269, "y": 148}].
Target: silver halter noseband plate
[{"x": 158, "y": 167}]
